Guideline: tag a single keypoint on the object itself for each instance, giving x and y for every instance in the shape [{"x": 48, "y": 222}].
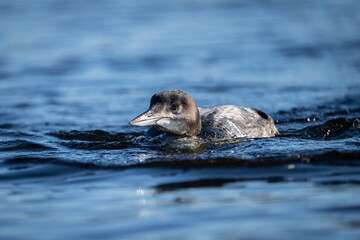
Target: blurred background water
[{"x": 73, "y": 73}]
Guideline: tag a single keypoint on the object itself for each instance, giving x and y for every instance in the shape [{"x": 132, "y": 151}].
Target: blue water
[{"x": 73, "y": 74}]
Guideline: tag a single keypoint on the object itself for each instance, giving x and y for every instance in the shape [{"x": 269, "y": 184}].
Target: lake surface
[{"x": 73, "y": 74}]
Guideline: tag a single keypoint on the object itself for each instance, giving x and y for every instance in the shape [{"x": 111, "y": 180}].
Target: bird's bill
[{"x": 145, "y": 119}]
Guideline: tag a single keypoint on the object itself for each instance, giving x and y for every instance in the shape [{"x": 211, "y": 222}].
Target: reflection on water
[{"x": 72, "y": 75}]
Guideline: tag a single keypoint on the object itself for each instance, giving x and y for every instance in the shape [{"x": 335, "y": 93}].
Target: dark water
[{"x": 72, "y": 75}]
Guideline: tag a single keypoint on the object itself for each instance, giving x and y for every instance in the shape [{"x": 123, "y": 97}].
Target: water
[{"x": 73, "y": 74}]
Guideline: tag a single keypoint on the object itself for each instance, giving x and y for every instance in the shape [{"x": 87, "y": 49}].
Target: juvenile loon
[{"x": 176, "y": 113}]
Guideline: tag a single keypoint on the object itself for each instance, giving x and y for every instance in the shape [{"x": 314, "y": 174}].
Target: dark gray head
[{"x": 173, "y": 112}]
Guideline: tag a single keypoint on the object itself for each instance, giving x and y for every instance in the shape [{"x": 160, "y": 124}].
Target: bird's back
[{"x": 229, "y": 121}]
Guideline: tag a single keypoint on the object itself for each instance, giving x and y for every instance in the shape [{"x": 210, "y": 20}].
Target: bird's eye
[{"x": 173, "y": 107}]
